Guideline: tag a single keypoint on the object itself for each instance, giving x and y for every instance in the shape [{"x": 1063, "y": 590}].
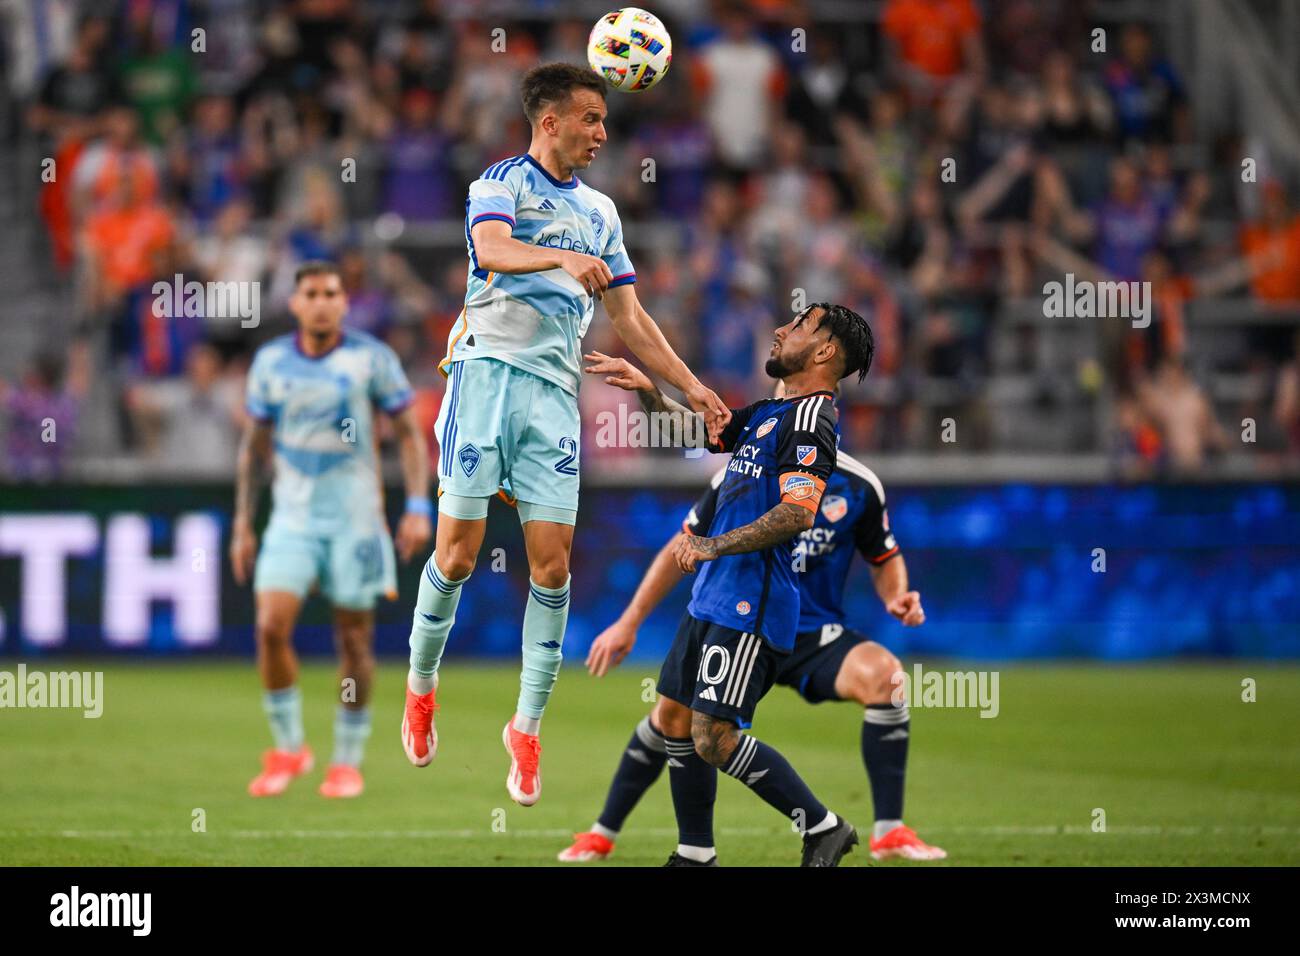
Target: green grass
[{"x": 1185, "y": 771}]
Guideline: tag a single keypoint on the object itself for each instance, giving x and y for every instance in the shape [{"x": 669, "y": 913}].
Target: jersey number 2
[{"x": 565, "y": 465}]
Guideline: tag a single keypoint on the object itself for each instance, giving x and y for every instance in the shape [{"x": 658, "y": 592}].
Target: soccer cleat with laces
[
  {"x": 279, "y": 767},
  {"x": 828, "y": 847},
  {"x": 524, "y": 782},
  {"x": 419, "y": 737},
  {"x": 677, "y": 860},
  {"x": 903, "y": 843},
  {"x": 587, "y": 847}
]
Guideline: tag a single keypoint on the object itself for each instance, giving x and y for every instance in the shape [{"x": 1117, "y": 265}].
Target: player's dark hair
[
  {"x": 315, "y": 267},
  {"x": 853, "y": 334},
  {"x": 552, "y": 83}
]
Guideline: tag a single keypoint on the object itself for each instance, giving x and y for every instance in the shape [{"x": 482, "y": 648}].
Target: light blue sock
[
  {"x": 351, "y": 728},
  {"x": 435, "y": 613},
  {"x": 544, "y": 620},
  {"x": 284, "y": 710}
]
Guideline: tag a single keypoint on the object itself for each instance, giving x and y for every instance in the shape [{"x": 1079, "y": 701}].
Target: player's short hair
[
  {"x": 554, "y": 82},
  {"x": 853, "y": 334},
  {"x": 316, "y": 267}
]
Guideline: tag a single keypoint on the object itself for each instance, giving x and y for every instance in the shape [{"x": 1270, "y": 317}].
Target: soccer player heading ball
[
  {"x": 740, "y": 626},
  {"x": 543, "y": 246}
]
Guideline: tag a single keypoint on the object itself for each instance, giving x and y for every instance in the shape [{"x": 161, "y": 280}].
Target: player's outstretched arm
[
  {"x": 250, "y": 472},
  {"x": 416, "y": 528},
  {"x": 621, "y": 373},
  {"x": 644, "y": 337},
  {"x": 498, "y": 251},
  {"x": 782, "y": 523},
  {"x": 616, "y": 641},
  {"x": 890, "y": 580}
]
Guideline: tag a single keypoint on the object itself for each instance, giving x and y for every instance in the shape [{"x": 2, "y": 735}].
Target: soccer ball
[{"x": 630, "y": 48}]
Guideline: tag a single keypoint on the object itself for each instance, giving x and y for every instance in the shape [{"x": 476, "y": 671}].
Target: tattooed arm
[
  {"x": 250, "y": 472},
  {"x": 780, "y": 524}
]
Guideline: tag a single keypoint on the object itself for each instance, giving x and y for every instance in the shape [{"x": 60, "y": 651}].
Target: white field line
[{"x": 550, "y": 834}]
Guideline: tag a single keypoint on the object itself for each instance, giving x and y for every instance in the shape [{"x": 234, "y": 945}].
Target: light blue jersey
[
  {"x": 535, "y": 321},
  {"x": 326, "y": 469}
]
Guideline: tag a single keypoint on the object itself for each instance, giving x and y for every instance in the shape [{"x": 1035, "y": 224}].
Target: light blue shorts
[
  {"x": 352, "y": 570},
  {"x": 503, "y": 428}
]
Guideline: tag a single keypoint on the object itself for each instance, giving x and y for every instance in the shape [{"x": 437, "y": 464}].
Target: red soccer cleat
[
  {"x": 524, "y": 781},
  {"x": 279, "y": 767},
  {"x": 902, "y": 842},
  {"x": 586, "y": 848},
  {"x": 342, "y": 781},
  {"x": 419, "y": 738}
]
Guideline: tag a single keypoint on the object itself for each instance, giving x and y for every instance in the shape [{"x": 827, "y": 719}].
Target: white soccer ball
[{"x": 630, "y": 48}]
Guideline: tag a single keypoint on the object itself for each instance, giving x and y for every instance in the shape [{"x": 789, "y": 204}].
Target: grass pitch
[{"x": 1184, "y": 770}]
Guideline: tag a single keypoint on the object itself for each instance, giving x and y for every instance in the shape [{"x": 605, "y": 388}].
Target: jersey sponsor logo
[
  {"x": 565, "y": 241},
  {"x": 798, "y": 487},
  {"x": 835, "y": 507},
  {"x": 766, "y": 427},
  {"x": 807, "y": 454},
  {"x": 597, "y": 223},
  {"x": 469, "y": 458},
  {"x": 742, "y": 607}
]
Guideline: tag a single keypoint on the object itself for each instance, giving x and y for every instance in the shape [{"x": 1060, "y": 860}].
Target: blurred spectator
[
  {"x": 1273, "y": 245},
  {"x": 1147, "y": 93},
  {"x": 932, "y": 42},
  {"x": 190, "y": 423},
  {"x": 41, "y": 412},
  {"x": 742, "y": 82},
  {"x": 1183, "y": 416}
]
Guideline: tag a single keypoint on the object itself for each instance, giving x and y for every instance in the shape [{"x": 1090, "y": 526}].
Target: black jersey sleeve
[
  {"x": 806, "y": 449},
  {"x": 700, "y": 518},
  {"x": 871, "y": 535}
]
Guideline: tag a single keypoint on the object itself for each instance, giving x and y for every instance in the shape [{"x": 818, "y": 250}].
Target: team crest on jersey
[
  {"x": 742, "y": 607},
  {"x": 835, "y": 507},
  {"x": 766, "y": 427},
  {"x": 798, "y": 487},
  {"x": 597, "y": 223},
  {"x": 807, "y": 454},
  {"x": 469, "y": 458}
]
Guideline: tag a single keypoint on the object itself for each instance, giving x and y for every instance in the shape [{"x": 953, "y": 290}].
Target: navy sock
[
  {"x": 642, "y": 762},
  {"x": 695, "y": 788},
  {"x": 768, "y": 774},
  {"x": 885, "y": 733}
]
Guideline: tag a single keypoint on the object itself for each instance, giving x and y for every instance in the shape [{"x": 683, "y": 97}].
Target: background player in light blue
[
  {"x": 543, "y": 246},
  {"x": 311, "y": 397}
]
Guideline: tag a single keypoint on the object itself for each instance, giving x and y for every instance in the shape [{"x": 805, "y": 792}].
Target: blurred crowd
[{"x": 931, "y": 165}]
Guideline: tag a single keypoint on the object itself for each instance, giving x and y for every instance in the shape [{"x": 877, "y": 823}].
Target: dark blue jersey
[
  {"x": 784, "y": 450},
  {"x": 852, "y": 517}
]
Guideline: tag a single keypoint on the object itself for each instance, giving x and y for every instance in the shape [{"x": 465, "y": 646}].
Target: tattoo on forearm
[
  {"x": 249, "y": 473},
  {"x": 672, "y": 422},
  {"x": 780, "y": 524}
]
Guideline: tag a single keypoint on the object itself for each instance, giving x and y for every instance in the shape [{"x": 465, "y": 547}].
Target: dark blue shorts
[
  {"x": 811, "y": 668},
  {"x": 718, "y": 670}
]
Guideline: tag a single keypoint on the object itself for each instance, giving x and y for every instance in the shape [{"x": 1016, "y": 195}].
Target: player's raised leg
[
  {"x": 354, "y": 632},
  {"x": 548, "y": 543},
  {"x": 867, "y": 676},
  {"x": 277, "y": 664},
  {"x": 462, "y": 523}
]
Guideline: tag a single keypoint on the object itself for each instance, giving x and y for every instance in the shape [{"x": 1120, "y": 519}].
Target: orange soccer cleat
[
  {"x": 419, "y": 738},
  {"x": 524, "y": 781},
  {"x": 902, "y": 842},
  {"x": 279, "y": 767},
  {"x": 341, "y": 781},
  {"x": 586, "y": 848}
]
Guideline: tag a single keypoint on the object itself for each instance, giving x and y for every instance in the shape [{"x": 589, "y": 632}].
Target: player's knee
[
  {"x": 455, "y": 562},
  {"x": 714, "y": 740},
  {"x": 672, "y": 719},
  {"x": 550, "y": 572},
  {"x": 273, "y": 633},
  {"x": 872, "y": 671}
]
